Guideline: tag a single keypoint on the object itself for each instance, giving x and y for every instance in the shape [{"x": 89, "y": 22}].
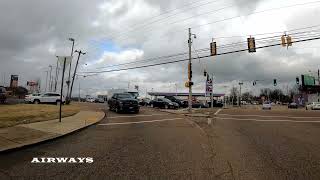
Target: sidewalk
[{"x": 27, "y": 134}]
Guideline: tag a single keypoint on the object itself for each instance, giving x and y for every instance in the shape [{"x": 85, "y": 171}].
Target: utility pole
[
  {"x": 56, "y": 79},
  {"x": 190, "y": 71},
  {"x": 75, "y": 71},
  {"x": 68, "y": 82},
  {"x": 61, "y": 92},
  {"x": 50, "y": 78}
]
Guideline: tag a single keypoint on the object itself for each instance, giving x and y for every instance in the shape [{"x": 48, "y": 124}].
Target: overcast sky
[{"x": 33, "y": 32}]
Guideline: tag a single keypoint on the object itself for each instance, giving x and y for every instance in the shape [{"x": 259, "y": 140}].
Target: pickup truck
[{"x": 123, "y": 102}]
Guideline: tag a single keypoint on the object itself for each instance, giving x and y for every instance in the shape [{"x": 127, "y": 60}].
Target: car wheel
[
  {"x": 137, "y": 112},
  {"x": 36, "y": 101}
]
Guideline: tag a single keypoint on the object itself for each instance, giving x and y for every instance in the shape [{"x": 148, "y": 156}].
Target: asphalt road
[
  {"x": 151, "y": 145},
  {"x": 268, "y": 145}
]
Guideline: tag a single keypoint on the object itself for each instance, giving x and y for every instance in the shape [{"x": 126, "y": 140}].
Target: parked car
[
  {"x": 123, "y": 102},
  {"x": 144, "y": 102},
  {"x": 313, "y": 106},
  {"x": 99, "y": 100},
  {"x": 3, "y": 95},
  {"x": 216, "y": 104},
  {"x": 178, "y": 101},
  {"x": 46, "y": 98},
  {"x": 30, "y": 97},
  {"x": 164, "y": 103},
  {"x": 266, "y": 106},
  {"x": 199, "y": 105},
  {"x": 90, "y": 99},
  {"x": 293, "y": 106}
]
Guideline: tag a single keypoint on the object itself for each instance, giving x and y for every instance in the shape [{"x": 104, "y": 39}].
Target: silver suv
[{"x": 47, "y": 98}]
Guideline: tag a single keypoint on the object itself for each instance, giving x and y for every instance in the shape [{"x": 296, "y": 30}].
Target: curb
[{"x": 50, "y": 138}]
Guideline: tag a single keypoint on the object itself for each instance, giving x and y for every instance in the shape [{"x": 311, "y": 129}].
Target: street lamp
[{"x": 68, "y": 82}]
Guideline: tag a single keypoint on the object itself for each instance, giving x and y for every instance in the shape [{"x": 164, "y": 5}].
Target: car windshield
[{"x": 123, "y": 96}]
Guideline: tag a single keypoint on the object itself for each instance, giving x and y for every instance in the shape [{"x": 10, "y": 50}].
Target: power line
[
  {"x": 205, "y": 50},
  {"x": 181, "y": 60},
  {"x": 146, "y": 23},
  {"x": 257, "y": 12}
]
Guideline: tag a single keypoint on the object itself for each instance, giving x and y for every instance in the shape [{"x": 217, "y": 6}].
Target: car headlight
[{"x": 170, "y": 104}]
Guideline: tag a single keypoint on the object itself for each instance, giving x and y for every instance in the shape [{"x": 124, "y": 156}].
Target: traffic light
[
  {"x": 275, "y": 82},
  {"x": 189, "y": 71},
  {"x": 283, "y": 41},
  {"x": 213, "y": 48},
  {"x": 205, "y": 73},
  {"x": 254, "y": 83},
  {"x": 251, "y": 45},
  {"x": 289, "y": 41},
  {"x": 297, "y": 80}
]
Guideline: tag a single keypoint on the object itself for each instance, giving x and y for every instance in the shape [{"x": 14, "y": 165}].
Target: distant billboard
[
  {"x": 308, "y": 80},
  {"x": 14, "y": 81}
]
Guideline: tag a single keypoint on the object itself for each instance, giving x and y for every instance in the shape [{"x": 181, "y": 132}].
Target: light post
[{"x": 68, "y": 82}]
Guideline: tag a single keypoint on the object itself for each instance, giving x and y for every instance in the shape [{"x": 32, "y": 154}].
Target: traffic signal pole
[{"x": 189, "y": 73}]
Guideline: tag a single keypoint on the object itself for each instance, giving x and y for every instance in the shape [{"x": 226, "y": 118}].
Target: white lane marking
[
  {"x": 293, "y": 117},
  {"x": 139, "y": 122},
  {"x": 217, "y": 112},
  {"x": 146, "y": 115},
  {"x": 262, "y": 120}
]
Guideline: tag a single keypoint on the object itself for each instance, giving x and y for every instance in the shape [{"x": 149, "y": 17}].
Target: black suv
[
  {"x": 3, "y": 95},
  {"x": 123, "y": 102}
]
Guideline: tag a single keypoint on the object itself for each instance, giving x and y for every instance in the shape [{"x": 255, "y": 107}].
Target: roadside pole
[
  {"x": 190, "y": 73},
  {"x": 50, "y": 78},
  {"x": 46, "y": 81},
  {"x": 61, "y": 92},
  {"x": 68, "y": 82},
  {"x": 75, "y": 71}
]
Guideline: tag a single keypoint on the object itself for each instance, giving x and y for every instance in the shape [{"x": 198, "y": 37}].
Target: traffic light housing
[
  {"x": 205, "y": 73},
  {"x": 251, "y": 45},
  {"x": 254, "y": 83},
  {"x": 275, "y": 82},
  {"x": 189, "y": 71},
  {"x": 213, "y": 49},
  {"x": 297, "y": 80}
]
